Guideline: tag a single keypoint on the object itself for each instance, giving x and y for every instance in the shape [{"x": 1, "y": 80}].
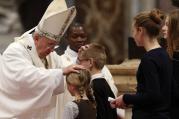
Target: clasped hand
[{"x": 118, "y": 102}]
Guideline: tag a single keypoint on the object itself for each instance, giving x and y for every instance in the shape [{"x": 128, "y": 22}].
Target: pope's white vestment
[
  {"x": 69, "y": 57},
  {"x": 27, "y": 89}
]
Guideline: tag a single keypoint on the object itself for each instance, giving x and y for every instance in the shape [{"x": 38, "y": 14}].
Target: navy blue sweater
[
  {"x": 153, "y": 96},
  {"x": 101, "y": 92}
]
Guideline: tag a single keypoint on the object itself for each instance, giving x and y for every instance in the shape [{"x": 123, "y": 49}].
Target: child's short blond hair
[{"x": 97, "y": 53}]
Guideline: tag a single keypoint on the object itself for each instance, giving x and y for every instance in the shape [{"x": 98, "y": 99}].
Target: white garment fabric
[
  {"x": 69, "y": 57},
  {"x": 71, "y": 111},
  {"x": 27, "y": 89}
]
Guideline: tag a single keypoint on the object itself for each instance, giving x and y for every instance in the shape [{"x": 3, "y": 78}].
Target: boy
[{"x": 94, "y": 58}]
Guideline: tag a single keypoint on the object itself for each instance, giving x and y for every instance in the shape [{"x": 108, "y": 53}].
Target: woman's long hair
[{"x": 173, "y": 32}]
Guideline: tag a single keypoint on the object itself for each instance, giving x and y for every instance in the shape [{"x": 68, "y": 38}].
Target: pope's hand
[{"x": 72, "y": 68}]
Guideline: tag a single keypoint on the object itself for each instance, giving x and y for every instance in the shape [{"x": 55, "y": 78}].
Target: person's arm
[
  {"x": 71, "y": 111},
  {"x": 24, "y": 84},
  {"x": 101, "y": 92},
  {"x": 29, "y": 84},
  {"x": 99, "y": 101},
  {"x": 107, "y": 75},
  {"x": 175, "y": 79},
  {"x": 58, "y": 62},
  {"x": 152, "y": 86}
]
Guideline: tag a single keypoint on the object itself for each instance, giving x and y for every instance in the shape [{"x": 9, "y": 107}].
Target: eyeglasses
[{"x": 52, "y": 45}]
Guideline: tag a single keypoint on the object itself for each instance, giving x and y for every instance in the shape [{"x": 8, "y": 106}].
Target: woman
[
  {"x": 152, "y": 99},
  {"x": 171, "y": 32}
]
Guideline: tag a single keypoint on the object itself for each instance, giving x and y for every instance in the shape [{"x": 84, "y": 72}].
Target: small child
[
  {"x": 84, "y": 106},
  {"x": 94, "y": 58}
]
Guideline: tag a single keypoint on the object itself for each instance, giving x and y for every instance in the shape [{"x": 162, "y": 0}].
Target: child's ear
[
  {"x": 91, "y": 62},
  {"x": 72, "y": 87}
]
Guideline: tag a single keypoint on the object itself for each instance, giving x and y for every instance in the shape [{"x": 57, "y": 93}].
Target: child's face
[{"x": 86, "y": 62}]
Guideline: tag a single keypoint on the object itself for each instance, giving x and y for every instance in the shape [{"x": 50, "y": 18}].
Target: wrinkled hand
[
  {"x": 118, "y": 103},
  {"x": 72, "y": 68}
]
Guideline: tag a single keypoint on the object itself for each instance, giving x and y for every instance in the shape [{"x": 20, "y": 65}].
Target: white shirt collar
[
  {"x": 71, "y": 52},
  {"x": 98, "y": 75}
]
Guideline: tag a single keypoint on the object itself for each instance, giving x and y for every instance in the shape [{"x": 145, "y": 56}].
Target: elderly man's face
[
  {"x": 44, "y": 46},
  {"x": 77, "y": 37}
]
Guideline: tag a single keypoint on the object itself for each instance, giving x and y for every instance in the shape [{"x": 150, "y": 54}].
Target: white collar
[
  {"x": 71, "y": 52},
  {"x": 98, "y": 75}
]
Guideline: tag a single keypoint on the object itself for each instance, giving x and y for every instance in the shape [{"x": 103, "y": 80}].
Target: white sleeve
[
  {"x": 71, "y": 111},
  {"x": 109, "y": 79},
  {"x": 57, "y": 60},
  {"x": 25, "y": 84}
]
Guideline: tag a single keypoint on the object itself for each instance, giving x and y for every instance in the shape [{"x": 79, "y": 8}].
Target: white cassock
[
  {"x": 27, "y": 89},
  {"x": 68, "y": 58}
]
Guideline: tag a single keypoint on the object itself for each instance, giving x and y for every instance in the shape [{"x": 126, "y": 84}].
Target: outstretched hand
[{"x": 72, "y": 68}]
